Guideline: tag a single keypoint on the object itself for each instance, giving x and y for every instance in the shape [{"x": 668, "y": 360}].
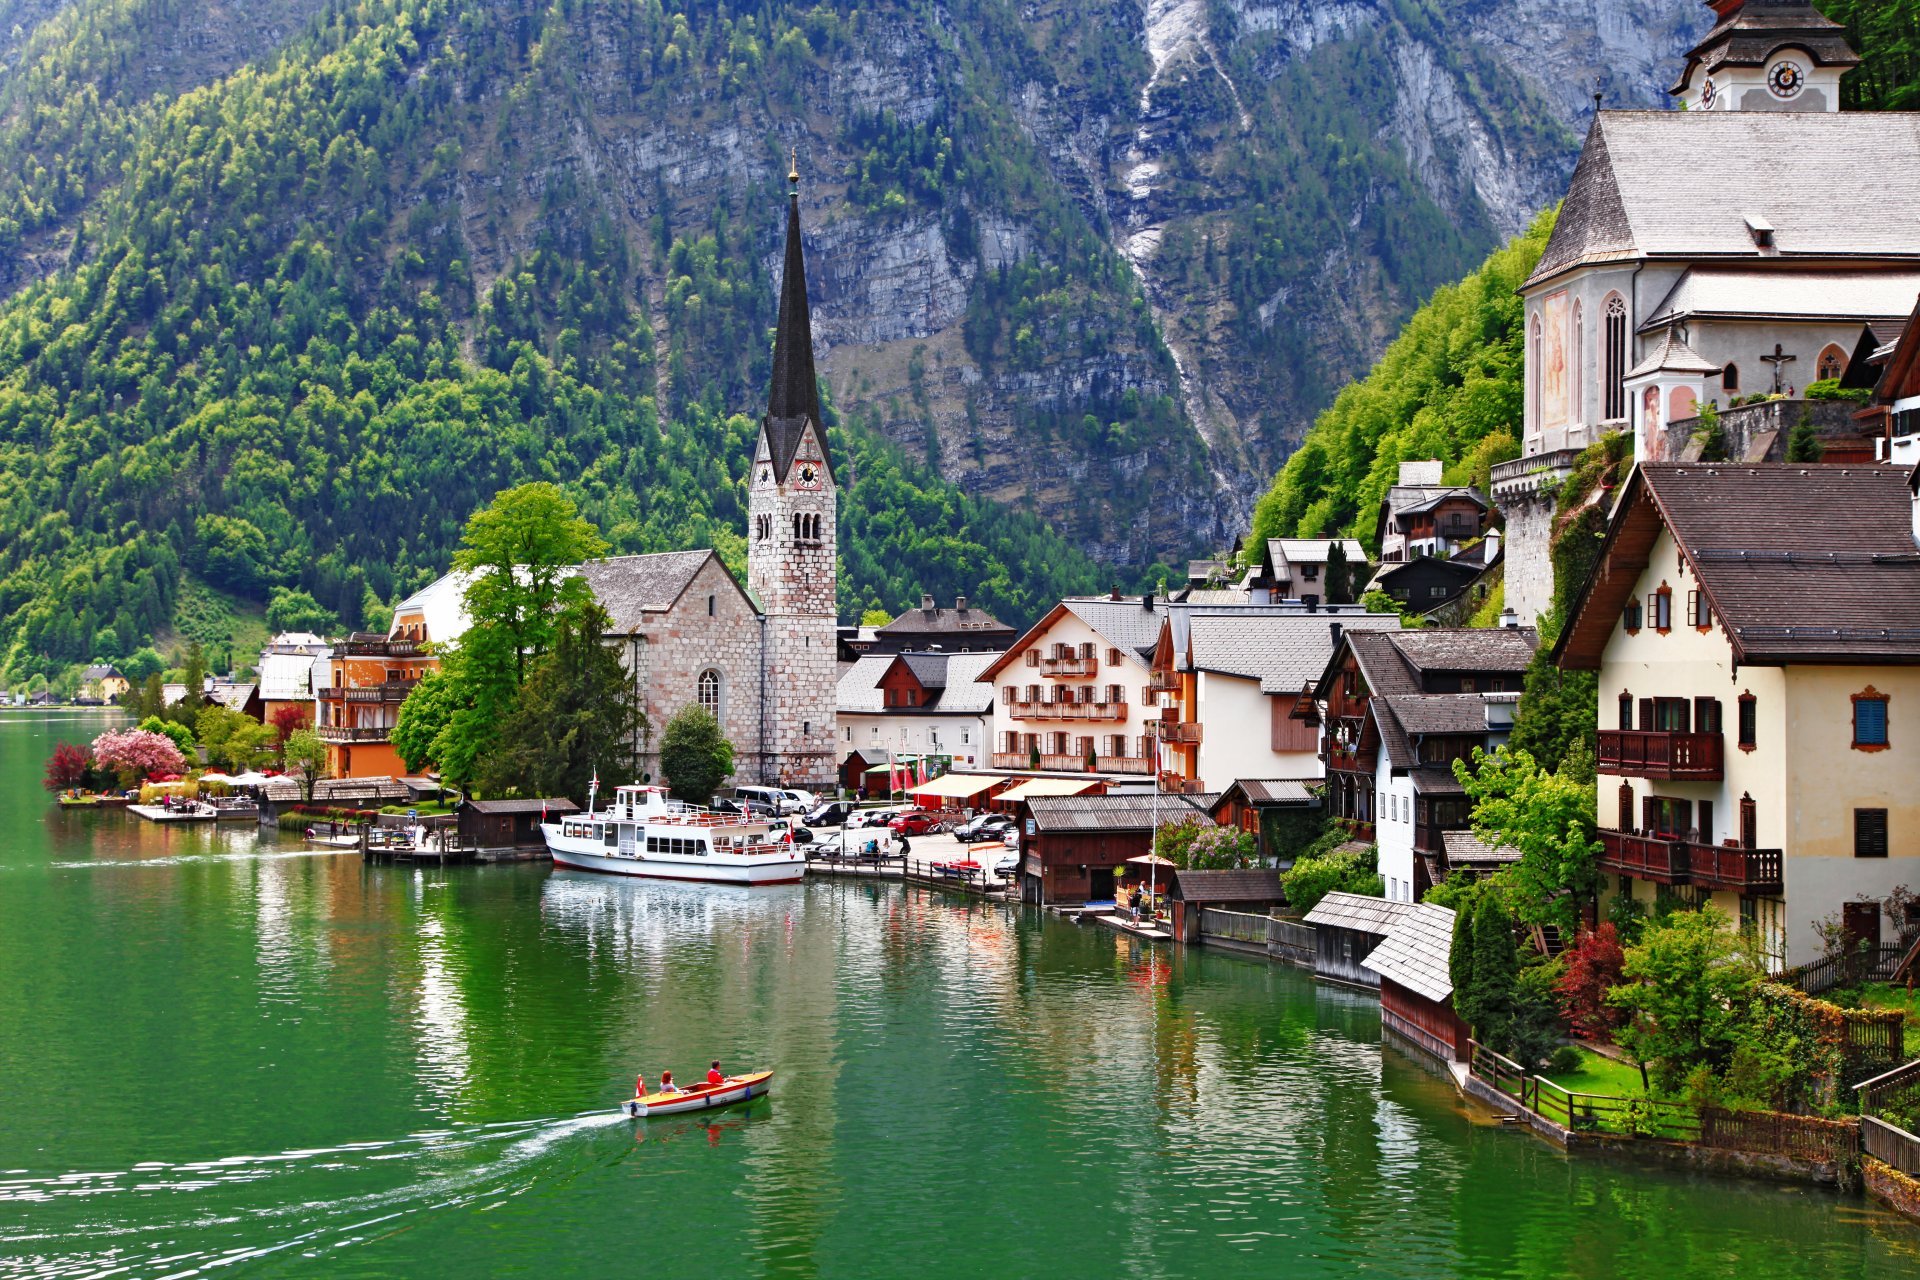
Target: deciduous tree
[
  {"x": 694, "y": 755},
  {"x": 134, "y": 754},
  {"x": 1688, "y": 981},
  {"x": 304, "y": 757},
  {"x": 1549, "y": 820},
  {"x": 66, "y": 768}
]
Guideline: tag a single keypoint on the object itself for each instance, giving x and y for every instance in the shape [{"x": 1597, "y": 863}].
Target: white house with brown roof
[
  {"x": 908, "y": 705},
  {"x": 1756, "y": 631}
]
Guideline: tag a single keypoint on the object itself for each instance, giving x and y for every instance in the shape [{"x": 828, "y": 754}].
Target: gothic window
[
  {"x": 709, "y": 690},
  {"x": 1614, "y": 368},
  {"x": 1536, "y": 369},
  {"x": 1730, "y": 378},
  {"x": 1831, "y": 364},
  {"x": 1574, "y": 386}
]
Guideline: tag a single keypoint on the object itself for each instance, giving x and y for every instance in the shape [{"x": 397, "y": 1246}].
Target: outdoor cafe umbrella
[
  {"x": 250, "y": 778},
  {"x": 1150, "y": 860}
]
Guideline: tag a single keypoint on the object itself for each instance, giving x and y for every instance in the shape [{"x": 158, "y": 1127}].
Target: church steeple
[
  {"x": 1766, "y": 55},
  {"x": 793, "y": 400}
]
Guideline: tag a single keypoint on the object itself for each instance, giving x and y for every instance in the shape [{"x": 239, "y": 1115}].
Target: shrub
[
  {"x": 1593, "y": 968},
  {"x": 1346, "y": 871}
]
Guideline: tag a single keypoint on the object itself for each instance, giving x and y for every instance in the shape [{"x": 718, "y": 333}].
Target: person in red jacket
[{"x": 713, "y": 1073}]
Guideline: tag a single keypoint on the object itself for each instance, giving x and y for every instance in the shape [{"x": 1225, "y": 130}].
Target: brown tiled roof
[
  {"x": 1469, "y": 649},
  {"x": 923, "y": 620},
  {"x": 1260, "y": 884},
  {"x": 1452, "y": 713},
  {"x": 1127, "y": 812},
  {"x": 1466, "y": 847},
  {"x": 1800, "y": 563}
]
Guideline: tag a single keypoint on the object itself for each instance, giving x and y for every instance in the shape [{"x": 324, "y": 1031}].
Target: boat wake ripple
[{"x": 193, "y": 1218}]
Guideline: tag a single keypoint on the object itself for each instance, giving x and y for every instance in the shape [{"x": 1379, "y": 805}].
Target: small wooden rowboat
[{"x": 705, "y": 1097}]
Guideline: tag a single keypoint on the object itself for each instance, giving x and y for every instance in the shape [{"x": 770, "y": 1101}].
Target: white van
[
  {"x": 774, "y": 798},
  {"x": 807, "y": 800}
]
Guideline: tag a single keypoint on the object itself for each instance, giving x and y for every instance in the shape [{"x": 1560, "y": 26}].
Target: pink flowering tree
[{"x": 137, "y": 753}]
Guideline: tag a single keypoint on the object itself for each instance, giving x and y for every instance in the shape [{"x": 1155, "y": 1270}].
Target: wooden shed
[
  {"x": 1346, "y": 929},
  {"x": 1256, "y": 891},
  {"x": 1075, "y": 845},
  {"x": 1416, "y": 984},
  {"x": 505, "y": 824}
]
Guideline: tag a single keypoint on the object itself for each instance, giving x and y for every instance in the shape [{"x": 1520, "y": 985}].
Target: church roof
[
  {"x": 793, "y": 400},
  {"x": 629, "y": 587},
  {"x": 1739, "y": 292},
  {"x": 1673, "y": 356},
  {"x": 1749, "y": 34},
  {"x": 1636, "y": 191}
]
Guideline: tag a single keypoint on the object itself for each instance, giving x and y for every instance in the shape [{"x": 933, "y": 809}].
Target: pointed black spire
[{"x": 794, "y": 398}]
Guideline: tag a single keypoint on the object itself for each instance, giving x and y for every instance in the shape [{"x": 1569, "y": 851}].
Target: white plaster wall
[
  {"x": 1131, "y": 675},
  {"x": 1236, "y": 736},
  {"x": 1393, "y": 828},
  {"x": 965, "y": 738}
]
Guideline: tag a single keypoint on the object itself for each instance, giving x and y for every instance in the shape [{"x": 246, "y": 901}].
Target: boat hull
[
  {"x": 715, "y": 869},
  {"x": 733, "y": 1092}
]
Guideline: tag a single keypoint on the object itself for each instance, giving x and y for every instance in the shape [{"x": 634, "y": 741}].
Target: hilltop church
[
  {"x": 762, "y": 658},
  {"x": 1756, "y": 240}
]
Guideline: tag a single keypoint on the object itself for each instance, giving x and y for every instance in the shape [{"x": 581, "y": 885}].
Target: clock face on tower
[
  {"x": 1707, "y": 92},
  {"x": 809, "y": 476},
  {"x": 1786, "y": 79}
]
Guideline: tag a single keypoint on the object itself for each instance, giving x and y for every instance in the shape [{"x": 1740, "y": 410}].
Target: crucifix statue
[{"x": 1778, "y": 359}]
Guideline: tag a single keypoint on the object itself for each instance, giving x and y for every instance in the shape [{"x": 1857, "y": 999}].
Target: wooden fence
[
  {"x": 1797, "y": 1137},
  {"x": 1823, "y": 975},
  {"x": 1290, "y": 940},
  {"x": 1237, "y": 926},
  {"x": 1583, "y": 1112},
  {"x": 1890, "y": 1144},
  {"x": 1895, "y": 1092}
]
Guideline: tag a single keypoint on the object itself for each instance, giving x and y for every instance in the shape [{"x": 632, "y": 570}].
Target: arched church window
[
  {"x": 1730, "y": 378},
  {"x": 709, "y": 692},
  {"x": 799, "y": 526},
  {"x": 1536, "y": 368},
  {"x": 1614, "y": 366},
  {"x": 1832, "y": 363}
]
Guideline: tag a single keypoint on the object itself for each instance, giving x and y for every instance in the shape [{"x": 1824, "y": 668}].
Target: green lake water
[{"x": 221, "y": 1054}]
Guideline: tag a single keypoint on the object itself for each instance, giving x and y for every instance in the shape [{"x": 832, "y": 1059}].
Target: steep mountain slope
[{"x": 1096, "y": 260}]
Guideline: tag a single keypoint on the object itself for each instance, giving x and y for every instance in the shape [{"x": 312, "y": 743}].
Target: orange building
[{"x": 370, "y": 675}]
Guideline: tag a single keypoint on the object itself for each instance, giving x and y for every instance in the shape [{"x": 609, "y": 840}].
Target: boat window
[{"x": 612, "y": 835}]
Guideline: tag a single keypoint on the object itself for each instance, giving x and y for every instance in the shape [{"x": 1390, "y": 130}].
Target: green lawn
[
  {"x": 1879, "y": 995},
  {"x": 1601, "y": 1075}
]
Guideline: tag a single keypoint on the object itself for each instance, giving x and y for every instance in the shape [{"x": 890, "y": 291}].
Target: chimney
[
  {"x": 926, "y": 604},
  {"x": 1509, "y": 619},
  {"x": 1493, "y": 545},
  {"x": 1334, "y": 629},
  {"x": 1146, "y": 601},
  {"x": 1312, "y": 603},
  {"x": 1113, "y": 592},
  {"x": 959, "y": 604}
]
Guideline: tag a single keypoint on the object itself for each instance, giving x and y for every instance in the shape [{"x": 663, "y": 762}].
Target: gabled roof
[
  {"x": 1467, "y": 649},
  {"x": 234, "y": 697},
  {"x": 1416, "y": 951},
  {"x": 1130, "y": 624},
  {"x": 101, "y": 672},
  {"x": 1270, "y": 791},
  {"x": 1635, "y": 191},
  {"x": 859, "y": 686},
  {"x": 1900, "y": 377},
  {"x": 517, "y": 807},
  {"x": 1125, "y": 812},
  {"x": 1673, "y": 356},
  {"x": 951, "y": 679},
  {"x": 630, "y": 587},
  {"x": 1358, "y": 911},
  {"x": 1255, "y": 885},
  {"x": 1281, "y": 651},
  {"x": 1439, "y": 713},
  {"x": 932, "y": 620},
  {"x": 1799, "y": 563},
  {"x": 1467, "y": 848}
]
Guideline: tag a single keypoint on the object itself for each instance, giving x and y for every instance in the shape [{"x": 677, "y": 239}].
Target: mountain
[{"x": 295, "y": 285}]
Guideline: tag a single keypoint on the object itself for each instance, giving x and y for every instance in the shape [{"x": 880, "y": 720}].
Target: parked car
[
  {"x": 1012, "y": 838},
  {"x": 914, "y": 822},
  {"x": 981, "y": 827},
  {"x": 784, "y": 831},
  {"x": 879, "y": 817},
  {"x": 1007, "y": 865},
  {"x": 807, "y": 801},
  {"x": 833, "y": 813},
  {"x": 773, "y": 798}
]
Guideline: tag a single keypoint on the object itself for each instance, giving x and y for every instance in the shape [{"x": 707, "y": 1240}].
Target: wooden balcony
[
  {"x": 1126, "y": 764},
  {"x": 383, "y": 648},
  {"x": 1680, "y": 757},
  {"x": 352, "y": 733},
  {"x": 1183, "y": 734},
  {"x": 1011, "y": 760},
  {"x": 1068, "y": 710},
  {"x": 1679, "y": 861},
  {"x": 1069, "y": 666},
  {"x": 1164, "y": 682},
  {"x": 1072, "y": 764},
  {"x": 1175, "y": 785},
  {"x": 387, "y": 691}
]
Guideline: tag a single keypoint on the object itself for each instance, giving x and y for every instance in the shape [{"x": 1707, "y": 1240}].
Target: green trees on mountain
[{"x": 1448, "y": 387}]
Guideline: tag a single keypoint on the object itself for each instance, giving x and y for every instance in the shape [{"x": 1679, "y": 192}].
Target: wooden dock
[{"x": 154, "y": 813}]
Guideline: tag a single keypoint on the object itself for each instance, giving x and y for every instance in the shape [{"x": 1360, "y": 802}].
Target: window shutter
[
  {"x": 1646, "y": 713},
  {"x": 1869, "y": 722},
  {"x": 1869, "y": 833},
  {"x": 1033, "y": 657}
]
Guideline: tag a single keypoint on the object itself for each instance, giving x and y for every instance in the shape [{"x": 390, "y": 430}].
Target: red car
[{"x": 916, "y": 823}]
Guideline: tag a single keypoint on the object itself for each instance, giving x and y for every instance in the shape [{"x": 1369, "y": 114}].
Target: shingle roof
[
  {"x": 1635, "y": 189},
  {"x": 1490, "y": 649},
  {"x": 1416, "y": 951},
  {"x": 930, "y": 669},
  {"x": 1466, "y": 847},
  {"x": 1316, "y": 550},
  {"x": 1282, "y": 651},
  {"x": 1673, "y": 356},
  {"x": 1357, "y": 911},
  {"x": 1273, "y": 790},
  {"x": 1452, "y": 713},
  {"x": 953, "y": 679},
  {"x": 1125, "y": 624},
  {"x": 1381, "y": 662},
  {"x": 925, "y": 620},
  {"x": 1260, "y": 884},
  {"x": 99, "y": 673},
  {"x": 628, "y": 587},
  {"x": 234, "y": 697},
  {"x": 1799, "y": 563},
  {"x": 1129, "y": 812},
  {"x": 550, "y": 805},
  {"x": 1436, "y": 782},
  {"x": 859, "y": 687},
  {"x": 1802, "y": 295}
]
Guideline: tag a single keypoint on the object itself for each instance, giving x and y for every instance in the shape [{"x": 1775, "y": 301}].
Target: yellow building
[
  {"x": 1756, "y": 631},
  {"x": 369, "y": 675},
  {"x": 102, "y": 684}
]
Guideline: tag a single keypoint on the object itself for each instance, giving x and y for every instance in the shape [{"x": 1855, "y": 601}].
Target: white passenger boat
[{"x": 643, "y": 833}]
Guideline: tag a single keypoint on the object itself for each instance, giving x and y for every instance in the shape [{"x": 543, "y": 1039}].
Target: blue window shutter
[{"x": 1870, "y": 721}]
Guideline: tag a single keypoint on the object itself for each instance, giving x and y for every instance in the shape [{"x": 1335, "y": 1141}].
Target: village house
[
  {"x": 1296, "y": 569},
  {"x": 1413, "y": 963},
  {"x": 1235, "y": 675},
  {"x": 1652, "y": 296},
  {"x": 286, "y": 672},
  {"x": 101, "y": 683},
  {"x": 1893, "y": 414},
  {"x": 1442, "y": 588},
  {"x": 1398, "y": 708},
  {"x": 761, "y": 658},
  {"x": 916, "y": 706},
  {"x": 1258, "y": 805},
  {"x": 1756, "y": 632},
  {"x": 1074, "y": 693},
  {"x": 1420, "y": 516},
  {"x": 965, "y": 628},
  {"x": 1074, "y": 849}
]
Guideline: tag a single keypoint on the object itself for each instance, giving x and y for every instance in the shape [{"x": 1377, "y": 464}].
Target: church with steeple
[{"x": 1752, "y": 241}]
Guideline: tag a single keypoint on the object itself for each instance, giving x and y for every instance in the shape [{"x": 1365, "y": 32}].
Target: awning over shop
[
  {"x": 1048, "y": 787},
  {"x": 955, "y": 786}
]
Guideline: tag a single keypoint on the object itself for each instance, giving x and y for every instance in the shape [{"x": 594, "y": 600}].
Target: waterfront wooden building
[
  {"x": 1416, "y": 984},
  {"x": 502, "y": 824},
  {"x": 1347, "y": 928},
  {"x": 1074, "y": 846},
  {"x": 1255, "y": 890}
]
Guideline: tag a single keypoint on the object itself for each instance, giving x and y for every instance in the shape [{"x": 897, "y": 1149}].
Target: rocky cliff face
[{"x": 1101, "y": 257}]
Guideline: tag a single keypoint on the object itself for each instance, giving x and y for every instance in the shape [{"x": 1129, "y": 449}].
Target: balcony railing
[
  {"x": 1069, "y": 666},
  {"x": 383, "y": 648},
  {"x": 352, "y": 733},
  {"x": 1072, "y": 764},
  {"x": 389, "y": 691},
  {"x": 1126, "y": 764},
  {"x": 1680, "y": 861},
  {"x": 1174, "y": 785},
  {"x": 1011, "y": 760},
  {"x": 1164, "y": 682},
  {"x": 1068, "y": 710},
  {"x": 1185, "y": 734},
  {"x": 1650, "y": 753}
]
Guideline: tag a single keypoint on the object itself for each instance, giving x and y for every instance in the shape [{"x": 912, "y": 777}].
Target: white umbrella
[
  {"x": 250, "y": 779},
  {"x": 214, "y": 775}
]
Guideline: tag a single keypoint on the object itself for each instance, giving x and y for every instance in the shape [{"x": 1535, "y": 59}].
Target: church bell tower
[
  {"x": 792, "y": 544},
  {"x": 1766, "y": 55}
]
